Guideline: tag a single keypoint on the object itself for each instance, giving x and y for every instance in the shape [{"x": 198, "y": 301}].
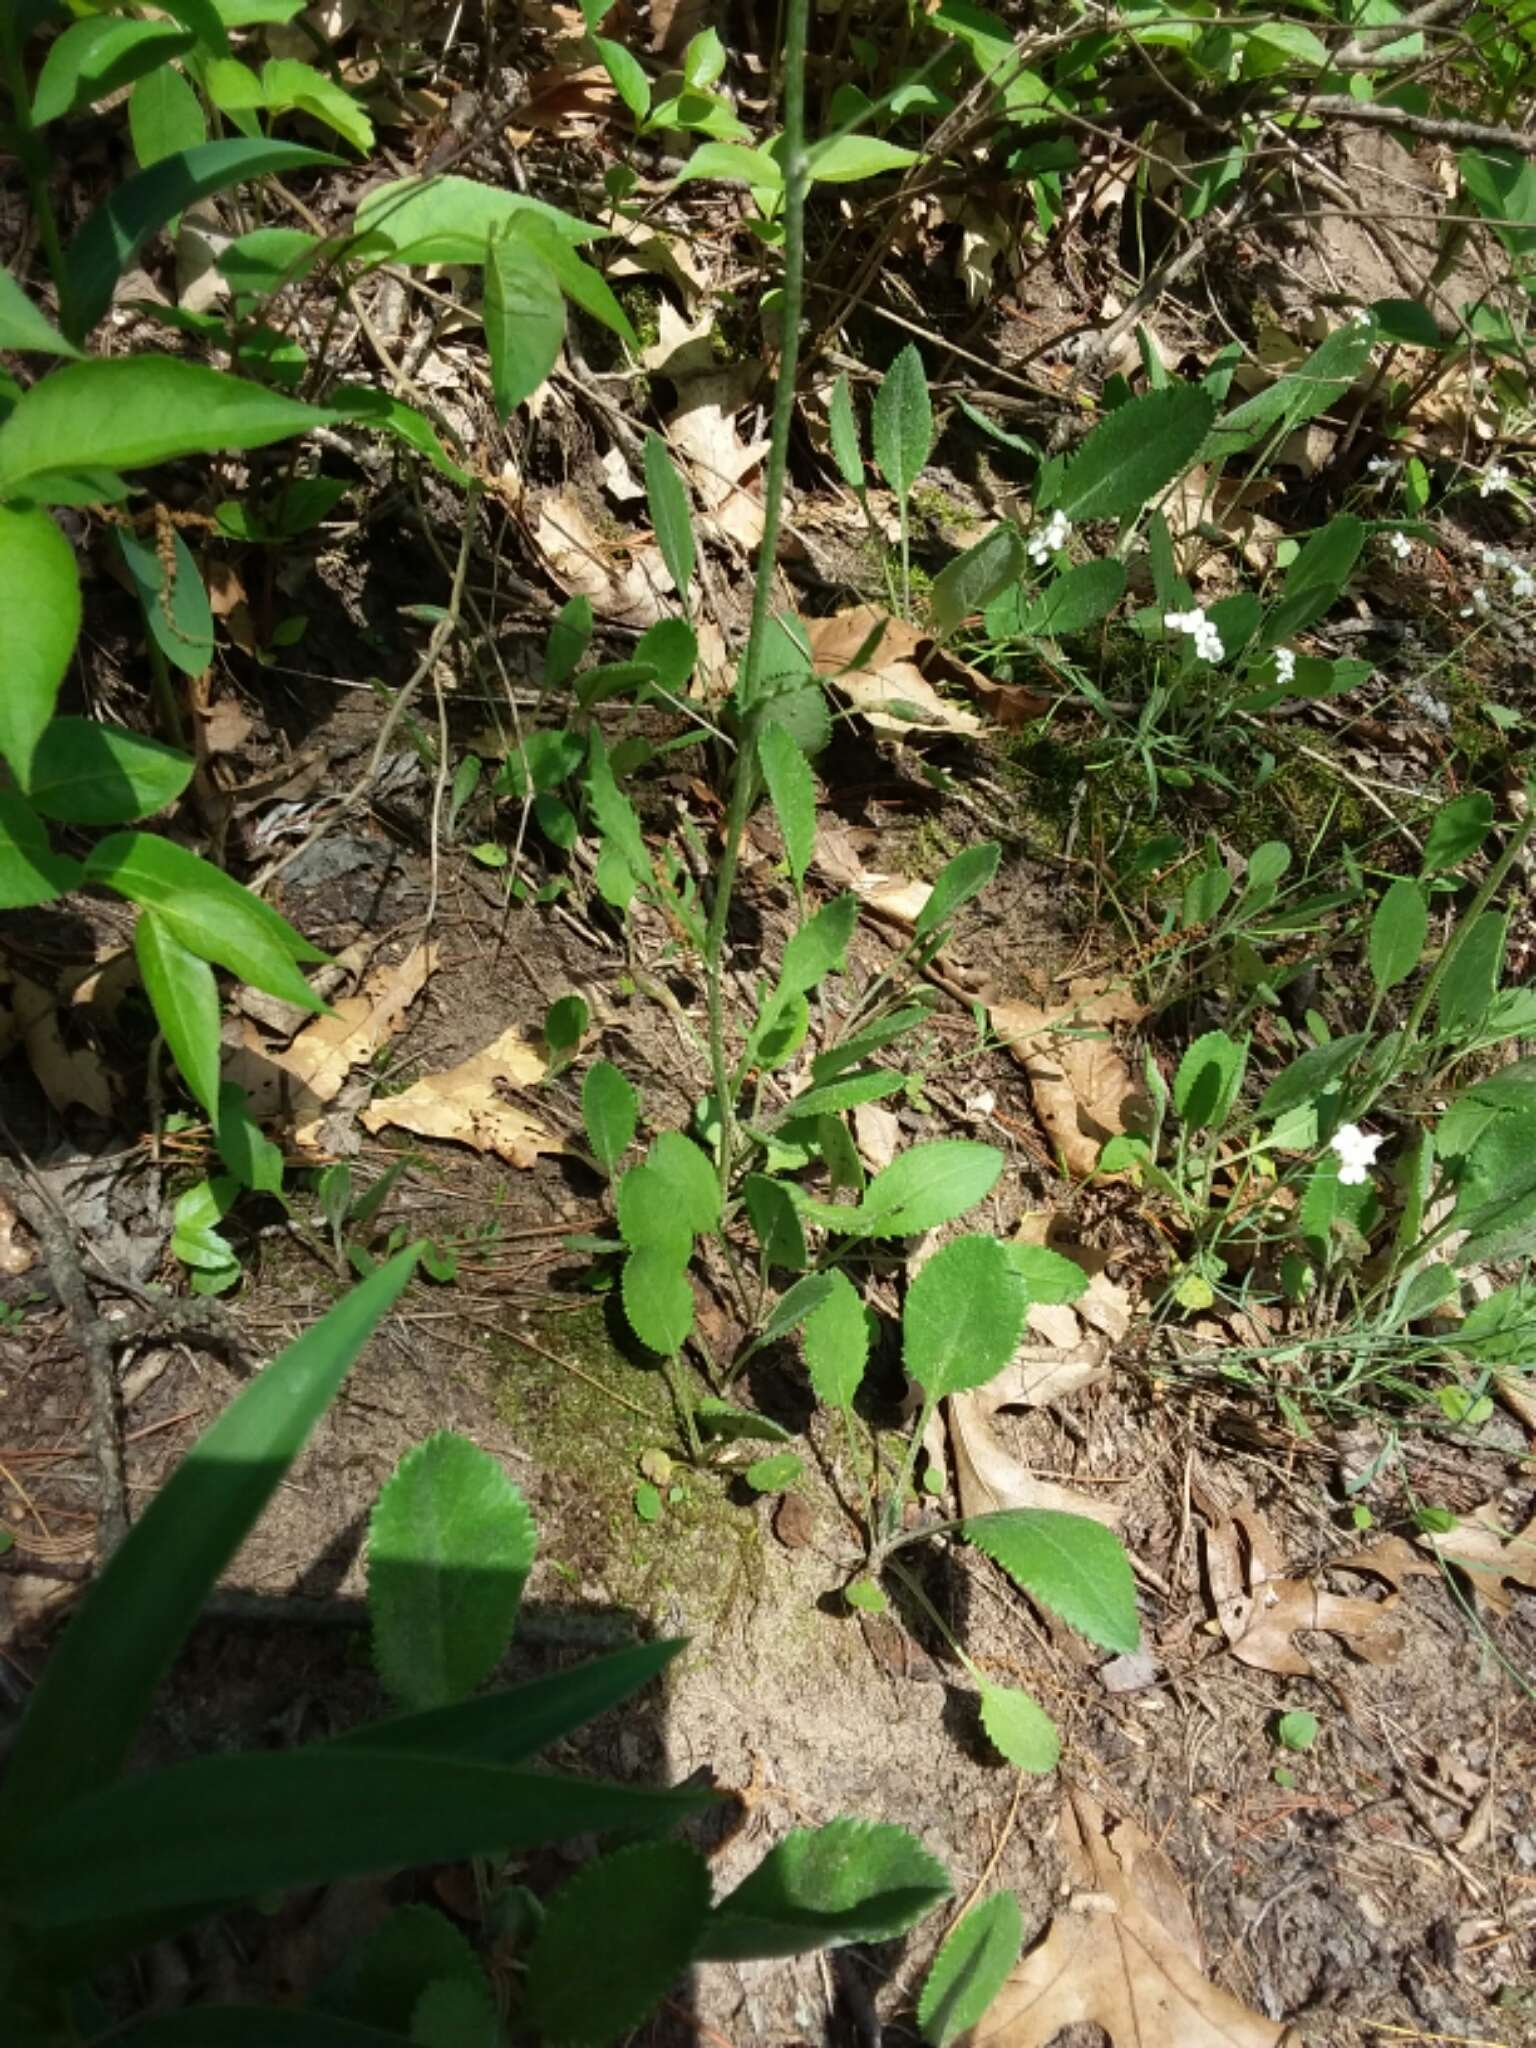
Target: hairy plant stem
[
  {"x": 744, "y": 782},
  {"x": 34, "y": 163}
]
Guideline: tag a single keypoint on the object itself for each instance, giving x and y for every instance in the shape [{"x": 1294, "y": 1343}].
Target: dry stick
[
  {"x": 1361, "y": 49},
  {"x": 94, "y": 1337},
  {"x": 1371, "y": 114}
]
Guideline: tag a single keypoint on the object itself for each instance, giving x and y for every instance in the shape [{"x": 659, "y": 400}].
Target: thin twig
[{"x": 1435, "y": 128}]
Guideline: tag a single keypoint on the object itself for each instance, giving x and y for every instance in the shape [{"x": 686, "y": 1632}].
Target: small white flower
[
  {"x": 1285, "y": 665},
  {"x": 1522, "y": 585},
  {"x": 1051, "y": 537},
  {"x": 982, "y": 1103},
  {"x": 1361, "y": 318},
  {"x": 1383, "y": 466},
  {"x": 1478, "y": 608},
  {"x": 1495, "y": 478},
  {"x": 1207, "y": 637},
  {"x": 1400, "y": 545},
  {"x": 1357, "y": 1151}
]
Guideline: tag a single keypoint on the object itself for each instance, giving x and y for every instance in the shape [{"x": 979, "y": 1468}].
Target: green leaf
[
  {"x": 735, "y": 166},
  {"x": 648, "y": 1215},
  {"x": 627, "y": 73},
  {"x": 1208, "y": 1078},
  {"x": 1135, "y": 453},
  {"x": 165, "y": 116},
  {"x": 582, "y": 284},
  {"x": 412, "y": 1948},
  {"x": 457, "y": 2012},
  {"x": 610, "y": 1110},
  {"x": 797, "y": 1303},
  {"x": 570, "y": 635},
  {"x": 792, "y": 788},
  {"x": 93, "y": 58},
  {"x": 250, "y": 2026},
  {"x": 183, "y": 628},
  {"x": 30, "y": 871},
  {"x": 185, "y": 999},
  {"x": 524, "y": 314},
  {"x": 853, "y": 1880},
  {"x": 565, "y": 1024},
  {"x": 1020, "y": 1728},
  {"x": 970, "y": 582},
  {"x": 1298, "y": 396},
  {"x": 252, "y": 1158},
  {"x": 723, "y": 1419},
  {"x": 289, "y": 85},
  {"x": 776, "y": 1223},
  {"x": 449, "y": 219},
  {"x": 688, "y": 1179},
  {"x": 901, "y": 425},
  {"x": 1075, "y": 600},
  {"x": 1398, "y": 931},
  {"x": 39, "y": 624},
  {"x": 379, "y": 409},
  {"x": 843, "y": 432},
  {"x": 963, "y": 1318},
  {"x": 816, "y": 948},
  {"x": 978, "y": 1953},
  {"x": 837, "y": 1342},
  {"x": 831, "y": 1098},
  {"x": 1471, "y": 980},
  {"x": 1458, "y": 830},
  {"x": 670, "y": 514},
  {"x": 1069, "y": 1563},
  {"x": 927, "y": 1185},
  {"x": 210, "y": 914},
  {"x": 1311, "y": 1075},
  {"x": 775, "y": 1474},
  {"x": 614, "y": 1941},
  {"x": 77, "y": 1732},
  {"x": 23, "y": 328},
  {"x": 1296, "y": 1730},
  {"x": 613, "y": 812},
  {"x": 1047, "y": 1276},
  {"x": 1316, "y": 579},
  {"x": 957, "y": 882},
  {"x": 658, "y": 1299},
  {"x": 115, "y": 233},
  {"x": 133, "y": 412},
  {"x": 848, "y": 159},
  {"x": 450, "y": 1546},
  {"x": 237, "y": 1826}
]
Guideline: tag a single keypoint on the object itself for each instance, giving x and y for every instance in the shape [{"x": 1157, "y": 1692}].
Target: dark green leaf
[
  {"x": 93, "y": 58},
  {"x": 1076, "y": 599},
  {"x": 1208, "y": 1078},
  {"x": 970, "y": 582},
  {"x": 181, "y": 626},
  {"x": 1135, "y": 453},
  {"x": 1458, "y": 830},
  {"x": 392, "y": 416},
  {"x": 1311, "y": 1075},
  {"x": 569, "y": 637},
  {"x": 23, "y": 328},
  {"x": 411, "y": 1949},
  {"x": 843, "y": 431},
  {"x": 39, "y": 624},
  {"x": 30, "y": 871},
  {"x": 449, "y": 219},
  {"x": 1300, "y": 395},
  {"x": 1398, "y": 932},
  {"x": 1471, "y": 978},
  {"x": 610, "y": 1109},
  {"x": 837, "y": 1342},
  {"x": 792, "y": 788},
  {"x": 902, "y": 423},
  {"x": 958, "y": 881},
  {"x": 670, "y": 513},
  {"x": 185, "y": 999},
  {"x": 853, "y": 1880},
  {"x": 524, "y": 315},
  {"x": 616, "y": 1938},
  {"x": 658, "y": 1300}
]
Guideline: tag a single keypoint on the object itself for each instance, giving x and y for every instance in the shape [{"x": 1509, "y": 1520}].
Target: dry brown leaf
[
  {"x": 1081, "y": 1085},
  {"x": 325, "y": 1052},
  {"x": 1259, "y": 1611},
  {"x": 586, "y": 564},
  {"x": 557, "y": 100},
  {"x": 878, "y": 1133},
  {"x": 15, "y": 1258},
  {"x": 466, "y": 1106},
  {"x": 67, "y": 1074},
  {"x": 703, "y": 430},
  {"x": 896, "y": 898},
  {"x": 683, "y": 349},
  {"x": 1124, "y": 1955},
  {"x": 1488, "y": 1553},
  {"x": 888, "y": 687},
  {"x": 642, "y": 248}
]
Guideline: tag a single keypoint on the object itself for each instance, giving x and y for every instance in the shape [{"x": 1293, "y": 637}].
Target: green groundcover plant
[{"x": 99, "y": 1861}]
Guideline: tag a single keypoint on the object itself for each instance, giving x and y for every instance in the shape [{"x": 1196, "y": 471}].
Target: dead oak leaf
[
  {"x": 465, "y": 1105},
  {"x": 896, "y": 899},
  {"x": 1488, "y": 1553},
  {"x": 625, "y": 584},
  {"x": 1259, "y": 1611},
  {"x": 1124, "y": 1955},
  {"x": 1081, "y": 1085},
  {"x": 876, "y": 663},
  {"x": 719, "y": 457}
]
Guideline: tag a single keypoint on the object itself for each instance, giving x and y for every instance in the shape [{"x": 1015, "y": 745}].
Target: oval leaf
[
  {"x": 185, "y": 999},
  {"x": 927, "y": 1185},
  {"x": 524, "y": 316},
  {"x": 658, "y": 1300},
  {"x": 792, "y": 789},
  {"x": 901, "y": 426},
  {"x": 958, "y": 881},
  {"x": 836, "y": 1342},
  {"x": 670, "y": 515},
  {"x": 1398, "y": 932},
  {"x": 853, "y": 1880},
  {"x": 39, "y": 624},
  {"x": 972, "y": 1966},
  {"x": 610, "y": 1109},
  {"x": 963, "y": 1318},
  {"x": 1069, "y": 1563},
  {"x": 1020, "y": 1729},
  {"x": 970, "y": 582},
  {"x": 1135, "y": 453}
]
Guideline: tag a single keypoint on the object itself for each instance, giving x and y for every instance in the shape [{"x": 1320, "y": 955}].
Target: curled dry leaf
[
  {"x": 683, "y": 349},
  {"x": 1259, "y": 1610},
  {"x": 889, "y": 686},
  {"x": 466, "y": 1105},
  {"x": 877, "y": 1131},
  {"x": 626, "y": 584},
  {"x": 1488, "y": 1553},
  {"x": 896, "y": 899},
  {"x": 1082, "y": 1087},
  {"x": 1124, "y": 1955}
]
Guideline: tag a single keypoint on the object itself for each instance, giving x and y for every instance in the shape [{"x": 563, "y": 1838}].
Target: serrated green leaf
[
  {"x": 972, "y": 580},
  {"x": 1135, "y": 453},
  {"x": 792, "y": 789},
  {"x": 1072, "y": 602},
  {"x": 776, "y": 1222},
  {"x": 524, "y": 315},
  {"x": 131, "y": 412},
  {"x": 658, "y": 1300},
  {"x": 185, "y": 998},
  {"x": 1020, "y": 1728},
  {"x": 457, "y": 2012},
  {"x": 795, "y": 1305},
  {"x": 971, "y": 1967},
  {"x": 957, "y": 882},
  {"x": 816, "y": 948},
  {"x": 1300, "y": 395},
  {"x": 614, "y": 1940},
  {"x": 1471, "y": 979},
  {"x": 1069, "y": 1563},
  {"x": 901, "y": 425},
  {"x": 836, "y": 1340},
  {"x": 1398, "y": 932},
  {"x": 843, "y": 433},
  {"x": 853, "y": 1880},
  {"x": 963, "y": 1318},
  {"x": 649, "y": 1217},
  {"x": 688, "y": 1178},
  {"x": 671, "y": 515},
  {"x": 450, "y": 1546},
  {"x": 723, "y": 1419},
  {"x": 39, "y": 624},
  {"x": 927, "y": 1185},
  {"x": 610, "y": 1110},
  {"x": 1208, "y": 1079},
  {"x": 411, "y": 1949},
  {"x": 210, "y": 914},
  {"x": 1311, "y": 1075},
  {"x": 1047, "y": 1276}
]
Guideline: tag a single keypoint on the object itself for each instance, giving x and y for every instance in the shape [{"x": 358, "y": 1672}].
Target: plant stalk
[{"x": 34, "y": 163}]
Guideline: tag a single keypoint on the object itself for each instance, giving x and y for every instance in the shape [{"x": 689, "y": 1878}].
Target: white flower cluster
[
  {"x": 1051, "y": 537},
  {"x": 1207, "y": 638},
  {"x": 1479, "y": 607},
  {"x": 1400, "y": 545},
  {"x": 1384, "y": 468},
  {"x": 1495, "y": 478},
  {"x": 1357, "y": 1153},
  {"x": 1522, "y": 583},
  {"x": 1285, "y": 665},
  {"x": 1361, "y": 317}
]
